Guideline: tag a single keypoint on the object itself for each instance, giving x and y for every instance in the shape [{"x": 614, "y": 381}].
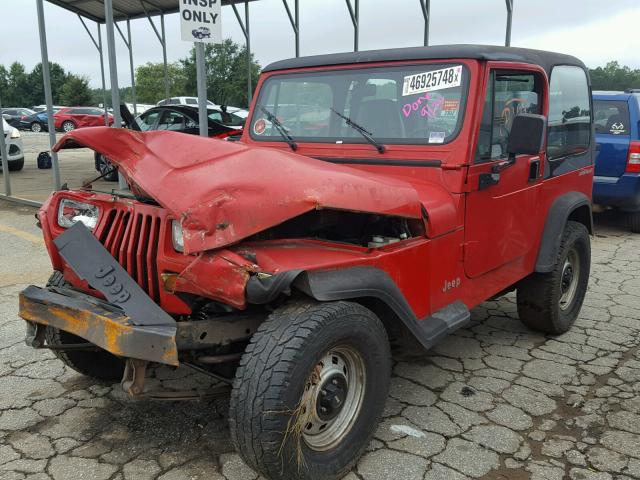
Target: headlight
[
  {"x": 176, "y": 236},
  {"x": 15, "y": 133},
  {"x": 70, "y": 212}
]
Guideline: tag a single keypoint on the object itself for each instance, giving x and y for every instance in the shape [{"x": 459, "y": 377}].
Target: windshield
[{"x": 409, "y": 104}]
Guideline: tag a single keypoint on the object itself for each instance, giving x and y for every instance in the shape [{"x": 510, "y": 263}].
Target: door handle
[{"x": 534, "y": 169}]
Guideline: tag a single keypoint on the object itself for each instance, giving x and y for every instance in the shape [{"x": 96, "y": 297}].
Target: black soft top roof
[{"x": 546, "y": 60}]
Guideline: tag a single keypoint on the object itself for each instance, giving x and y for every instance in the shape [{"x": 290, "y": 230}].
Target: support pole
[
  {"x": 5, "y": 158},
  {"x": 164, "y": 58},
  {"x": 127, "y": 43},
  {"x": 201, "y": 77},
  {"x": 98, "y": 46},
  {"x": 425, "y": 5},
  {"x": 295, "y": 23},
  {"x": 163, "y": 43},
  {"x": 244, "y": 26},
  {"x": 133, "y": 72},
  {"x": 104, "y": 83},
  {"x": 354, "y": 13},
  {"x": 113, "y": 73},
  {"x": 249, "y": 85},
  {"x": 507, "y": 41},
  {"x": 46, "y": 78}
]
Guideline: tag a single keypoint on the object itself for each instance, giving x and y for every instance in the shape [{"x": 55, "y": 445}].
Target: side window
[
  {"x": 191, "y": 101},
  {"x": 146, "y": 121},
  {"x": 172, "y": 121},
  {"x": 611, "y": 117},
  {"x": 569, "y": 130},
  {"x": 508, "y": 95}
]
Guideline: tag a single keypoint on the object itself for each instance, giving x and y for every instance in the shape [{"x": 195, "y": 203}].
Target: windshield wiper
[
  {"x": 281, "y": 130},
  {"x": 361, "y": 130}
]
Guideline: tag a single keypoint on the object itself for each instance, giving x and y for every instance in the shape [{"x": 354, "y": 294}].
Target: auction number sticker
[{"x": 434, "y": 80}]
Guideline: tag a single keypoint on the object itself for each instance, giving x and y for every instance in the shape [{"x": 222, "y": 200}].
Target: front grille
[{"x": 132, "y": 238}]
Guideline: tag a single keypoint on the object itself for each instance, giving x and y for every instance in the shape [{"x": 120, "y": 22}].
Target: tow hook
[{"x": 134, "y": 377}]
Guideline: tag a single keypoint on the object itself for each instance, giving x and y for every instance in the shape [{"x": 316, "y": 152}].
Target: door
[
  {"x": 613, "y": 134},
  {"x": 500, "y": 215}
]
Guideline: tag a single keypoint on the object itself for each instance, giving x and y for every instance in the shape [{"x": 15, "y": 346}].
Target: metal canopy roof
[{"x": 124, "y": 9}]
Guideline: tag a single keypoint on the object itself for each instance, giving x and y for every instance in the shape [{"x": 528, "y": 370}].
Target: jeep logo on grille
[{"x": 106, "y": 275}]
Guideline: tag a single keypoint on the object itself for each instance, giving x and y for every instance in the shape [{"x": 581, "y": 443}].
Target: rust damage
[{"x": 110, "y": 330}]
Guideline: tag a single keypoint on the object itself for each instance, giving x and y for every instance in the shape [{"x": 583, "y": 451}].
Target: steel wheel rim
[
  {"x": 569, "y": 279},
  {"x": 340, "y": 366}
]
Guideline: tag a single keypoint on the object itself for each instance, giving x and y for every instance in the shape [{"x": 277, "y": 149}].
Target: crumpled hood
[{"x": 226, "y": 191}]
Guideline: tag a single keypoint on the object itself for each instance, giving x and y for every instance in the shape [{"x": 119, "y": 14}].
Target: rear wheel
[
  {"x": 98, "y": 364},
  {"x": 550, "y": 302},
  {"x": 310, "y": 389},
  {"x": 634, "y": 221},
  {"x": 68, "y": 126},
  {"x": 36, "y": 127}
]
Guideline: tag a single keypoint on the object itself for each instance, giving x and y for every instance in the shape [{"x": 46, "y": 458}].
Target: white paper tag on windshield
[
  {"x": 434, "y": 80},
  {"x": 437, "y": 137}
]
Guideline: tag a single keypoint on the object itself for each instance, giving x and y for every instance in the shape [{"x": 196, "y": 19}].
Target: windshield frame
[{"x": 466, "y": 84}]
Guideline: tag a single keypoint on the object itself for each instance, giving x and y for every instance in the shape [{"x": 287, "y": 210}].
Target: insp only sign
[{"x": 200, "y": 20}]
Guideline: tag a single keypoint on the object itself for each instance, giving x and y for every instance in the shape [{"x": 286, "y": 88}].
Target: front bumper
[{"x": 100, "y": 323}]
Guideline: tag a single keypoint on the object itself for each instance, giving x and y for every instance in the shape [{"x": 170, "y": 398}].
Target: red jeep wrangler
[{"x": 372, "y": 195}]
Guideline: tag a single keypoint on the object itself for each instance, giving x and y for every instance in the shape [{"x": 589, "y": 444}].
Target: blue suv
[{"x": 617, "y": 175}]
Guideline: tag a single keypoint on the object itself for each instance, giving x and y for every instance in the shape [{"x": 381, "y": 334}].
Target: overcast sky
[{"x": 596, "y": 31}]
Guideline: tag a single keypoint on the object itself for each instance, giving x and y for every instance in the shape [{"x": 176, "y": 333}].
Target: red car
[
  {"x": 373, "y": 196},
  {"x": 70, "y": 118}
]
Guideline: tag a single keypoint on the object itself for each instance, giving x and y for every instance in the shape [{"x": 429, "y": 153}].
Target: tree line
[
  {"x": 226, "y": 68},
  {"x": 20, "y": 88}
]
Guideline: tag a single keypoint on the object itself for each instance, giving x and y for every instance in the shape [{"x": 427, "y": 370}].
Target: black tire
[
  {"x": 36, "y": 127},
  {"x": 266, "y": 413},
  {"x": 634, "y": 221},
  {"x": 68, "y": 126},
  {"x": 17, "y": 165},
  {"x": 102, "y": 164},
  {"x": 545, "y": 301},
  {"x": 100, "y": 365}
]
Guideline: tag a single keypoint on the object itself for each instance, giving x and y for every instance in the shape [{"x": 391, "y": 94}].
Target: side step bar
[{"x": 442, "y": 323}]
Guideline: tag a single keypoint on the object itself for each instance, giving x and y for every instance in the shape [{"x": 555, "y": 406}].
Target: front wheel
[
  {"x": 36, "y": 127},
  {"x": 97, "y": 364},
  {"x": 310, "y": 389},
  {"x": 550, "y": 302}
]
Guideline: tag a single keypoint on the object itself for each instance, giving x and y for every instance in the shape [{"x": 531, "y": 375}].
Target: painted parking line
[{"x": 30, "y": 237}]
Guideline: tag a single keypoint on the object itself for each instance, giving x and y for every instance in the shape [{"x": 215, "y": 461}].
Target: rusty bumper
[{"x": 100, "y": 323}]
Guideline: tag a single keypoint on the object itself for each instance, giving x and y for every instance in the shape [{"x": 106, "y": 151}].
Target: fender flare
[
  {"x": 557, "y": 218},
  {"x": 357, "y": 283}
]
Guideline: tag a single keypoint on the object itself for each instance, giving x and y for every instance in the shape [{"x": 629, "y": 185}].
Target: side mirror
[{"x": 527, "y": 135}]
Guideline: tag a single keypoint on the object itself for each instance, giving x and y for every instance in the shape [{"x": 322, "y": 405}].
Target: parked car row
[{"x": 175, "y": 118}]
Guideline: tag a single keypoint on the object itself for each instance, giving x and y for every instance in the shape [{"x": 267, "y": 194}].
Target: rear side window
[
  {"x": 569, "y": 130},
  {"x": 611, "y": 117}
]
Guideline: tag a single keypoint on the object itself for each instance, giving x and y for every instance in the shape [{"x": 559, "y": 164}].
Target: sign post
[{"x": 200, "y": 22}]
